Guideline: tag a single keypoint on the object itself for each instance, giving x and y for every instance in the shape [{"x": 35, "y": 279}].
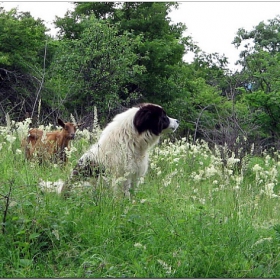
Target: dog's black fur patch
[{"x": 152, "y": 118}]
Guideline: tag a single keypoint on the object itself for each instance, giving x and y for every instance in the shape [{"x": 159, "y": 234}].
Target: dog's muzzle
[{"x": 174, "y": 124}]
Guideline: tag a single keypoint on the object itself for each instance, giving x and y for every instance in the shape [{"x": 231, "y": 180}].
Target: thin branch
[
  {"x": 42, "y": 81},
  {"x": 7, "y": 198},
  {"x": 197, "y": 121}
]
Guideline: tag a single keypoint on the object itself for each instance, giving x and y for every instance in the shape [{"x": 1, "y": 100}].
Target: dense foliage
[
  {"x": 22, "y": 58},
  {"x": 112, "y": 55}
]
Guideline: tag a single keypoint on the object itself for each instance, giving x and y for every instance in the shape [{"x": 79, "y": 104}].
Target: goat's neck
[{"x": 63, "y": 142}]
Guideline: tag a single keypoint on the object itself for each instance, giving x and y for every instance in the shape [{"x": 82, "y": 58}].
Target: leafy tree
[
  {"x": 22, "y": 38},
  {"x": 94, "y": 70},
  {"x": 71, "y": 27},
  {"x": 260, "y": 59},
  {"x": 163, "y": 43},
  {"x": 263, "y": 37},
  {"x": 22, "y": 58},
  {"x": 212, "y": 67},
  {"x": 195, "y": 102},
  {"x": 101, "y": 10},
  {"x": 161, "y": 48}
]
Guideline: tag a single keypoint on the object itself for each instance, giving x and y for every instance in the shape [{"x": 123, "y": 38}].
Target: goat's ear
[{"x": 61, "y": 122}]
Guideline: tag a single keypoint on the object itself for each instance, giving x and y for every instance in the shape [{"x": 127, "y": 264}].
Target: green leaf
[{"x": 34, "y": 236}]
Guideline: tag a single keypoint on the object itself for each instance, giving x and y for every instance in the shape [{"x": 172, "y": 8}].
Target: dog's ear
[
  {"x": 148, "y": 118},
  {"x": 141, "y": 119}
]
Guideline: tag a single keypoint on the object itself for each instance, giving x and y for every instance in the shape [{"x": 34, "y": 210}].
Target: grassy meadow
[{"x": 195, "y": 215}]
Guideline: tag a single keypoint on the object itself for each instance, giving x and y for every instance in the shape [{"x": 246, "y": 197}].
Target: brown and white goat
[{"x": 50, "y": 145}]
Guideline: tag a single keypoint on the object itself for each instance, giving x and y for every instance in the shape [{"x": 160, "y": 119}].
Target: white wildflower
[
  {"x": 139, "y": 245},
  {"x": 257, "y": 168},
  {"x": 96, "y": 126},
  {"x": 210, "y": 171},
  {"x": 44, "y": 137},
  {"x": 165, "y": 266},
  {"x": 268, "y": 189},
  {"x": 194, "y": 149},
  {"x": 22, "y": 128},
  {"x": 238, "y": 180},
  {"x": 230, "y": 172},
  {"x": 267, "y": 159},
  {"x": 141, "y": 180},
  {"x": 202, "y": 200},
  {"x": 119, "y": 180},
  {"x": 85, "y": 134},
  {"x": 269, "y": 239},
  {"x": 56, "y": 233},
  {"x": 70, "y": 151},
  {"x": 197, "y": 178},
  {"x": 273, "y": 172},
  {"x": 167, "y": 182},
  {"x": 48, "y": 186},
  {"x": 232, "y": 161},
  {"x": 10, "y": 138}
]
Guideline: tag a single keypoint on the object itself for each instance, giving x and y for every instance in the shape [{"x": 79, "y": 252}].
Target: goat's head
[{"x": 69, "y": 128}]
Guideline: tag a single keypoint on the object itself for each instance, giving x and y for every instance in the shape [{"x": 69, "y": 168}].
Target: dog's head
[{"x": 153, "y": 118}]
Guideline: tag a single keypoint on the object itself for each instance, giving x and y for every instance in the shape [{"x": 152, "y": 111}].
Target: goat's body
[
  {"x": 29, "y": 142},
  {"x": 49, "y": 145}
]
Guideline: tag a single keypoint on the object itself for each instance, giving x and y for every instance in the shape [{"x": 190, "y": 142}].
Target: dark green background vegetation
[{"x": 113, "y": 55}]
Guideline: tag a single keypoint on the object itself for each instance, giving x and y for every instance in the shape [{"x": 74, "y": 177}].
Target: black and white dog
[{"x": 122, "y": 149}]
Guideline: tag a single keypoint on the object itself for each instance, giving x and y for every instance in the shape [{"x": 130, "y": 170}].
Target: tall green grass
[{"x": 195, "y": 215}]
